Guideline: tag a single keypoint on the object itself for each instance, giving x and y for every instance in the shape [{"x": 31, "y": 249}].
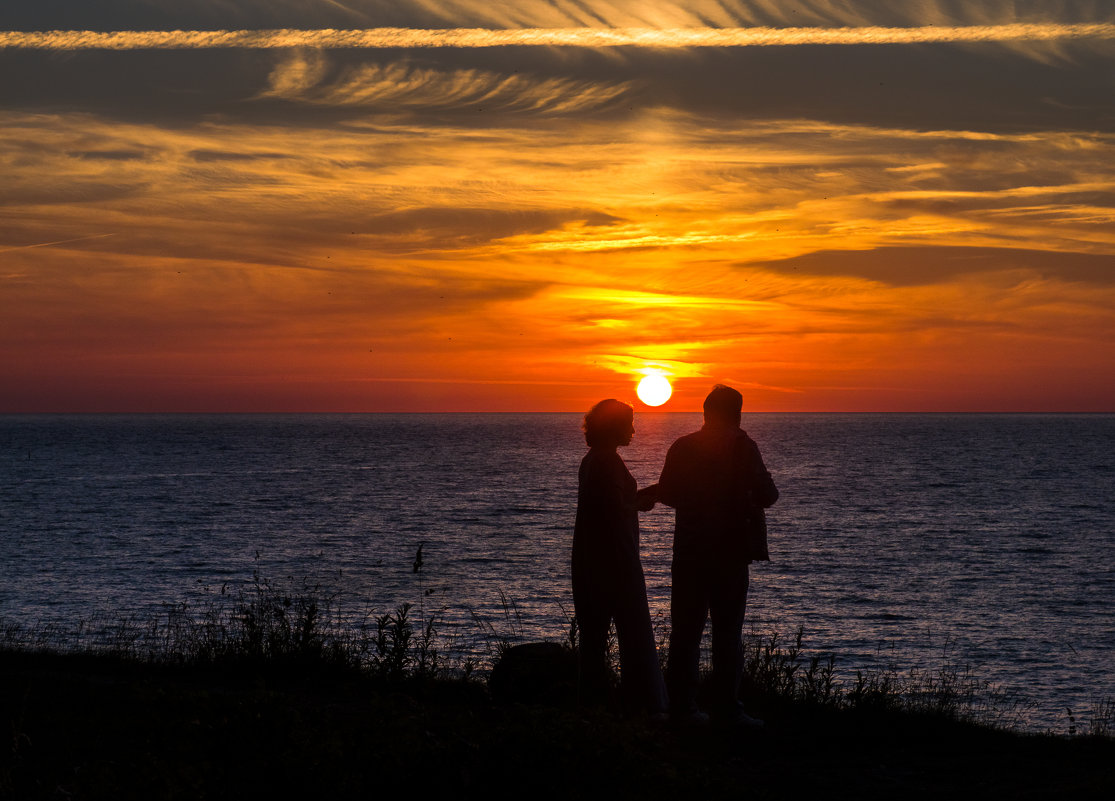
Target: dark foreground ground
[{"x": 81, "y": 727}]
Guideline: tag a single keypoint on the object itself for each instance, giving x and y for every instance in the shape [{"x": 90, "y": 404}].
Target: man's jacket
[{"x": 716, "y": 480}]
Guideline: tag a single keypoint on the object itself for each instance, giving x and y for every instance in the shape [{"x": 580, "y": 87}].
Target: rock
[{"x": 535, "y": 673}]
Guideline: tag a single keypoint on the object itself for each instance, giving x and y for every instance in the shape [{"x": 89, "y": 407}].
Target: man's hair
[
  {"x": 723, "y": 405},
  {"x": 606, "y": 423}
]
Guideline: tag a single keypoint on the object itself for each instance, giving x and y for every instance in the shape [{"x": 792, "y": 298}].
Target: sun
[{"x": 654, "y": 390}]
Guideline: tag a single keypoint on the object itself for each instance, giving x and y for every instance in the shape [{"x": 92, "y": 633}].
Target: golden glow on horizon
[{"x": 654, "y": 389}]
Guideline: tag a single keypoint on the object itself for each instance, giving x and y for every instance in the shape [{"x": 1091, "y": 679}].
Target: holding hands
[{"x": 646, "y": 498}]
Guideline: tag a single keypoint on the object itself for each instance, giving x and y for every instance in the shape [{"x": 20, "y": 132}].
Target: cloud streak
[
  {"x": 56, "y": 242},
  {"x": 663, "y": 38},
  {"x": 407, "y": 86}
]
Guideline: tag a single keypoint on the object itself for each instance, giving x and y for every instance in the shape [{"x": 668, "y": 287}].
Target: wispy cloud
[
  {"x": 378, "y": 38},
  {"x": 405, "y": 85},
  {"x": 56, "y": 242}
]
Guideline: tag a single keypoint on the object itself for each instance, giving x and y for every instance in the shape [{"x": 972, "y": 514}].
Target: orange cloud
[{"x": 394, "y": 263}]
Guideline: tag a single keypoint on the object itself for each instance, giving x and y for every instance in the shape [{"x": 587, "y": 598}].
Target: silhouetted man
[{"x": 717, "y": 482}]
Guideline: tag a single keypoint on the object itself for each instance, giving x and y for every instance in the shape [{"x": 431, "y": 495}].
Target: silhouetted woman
[{"x": 608, "y": 579}]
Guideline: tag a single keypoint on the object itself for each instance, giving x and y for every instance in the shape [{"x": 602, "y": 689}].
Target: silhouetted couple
[{"x": 716, "y": 481}]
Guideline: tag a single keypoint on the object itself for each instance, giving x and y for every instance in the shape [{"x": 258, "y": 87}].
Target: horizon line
[
  {"x": 653, "y": 38},
  {"x": 652, "y": 411}
]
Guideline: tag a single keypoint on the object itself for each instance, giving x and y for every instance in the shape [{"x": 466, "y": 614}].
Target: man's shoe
[
  {"x": 689, "y": 720},
  {"x": 738, "y": 719},
  {"x": 744, "y": 721},
  {"x": 733, "y": 716}
]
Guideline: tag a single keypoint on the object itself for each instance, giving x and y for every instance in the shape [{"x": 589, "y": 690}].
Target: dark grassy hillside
[{"x": 94, "y": 726}]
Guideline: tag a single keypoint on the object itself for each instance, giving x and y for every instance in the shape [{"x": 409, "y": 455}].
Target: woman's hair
[{"x": 607, "y": 422}]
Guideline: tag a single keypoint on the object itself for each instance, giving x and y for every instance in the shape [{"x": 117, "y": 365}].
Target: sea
[{"x": 902, "y": 542}]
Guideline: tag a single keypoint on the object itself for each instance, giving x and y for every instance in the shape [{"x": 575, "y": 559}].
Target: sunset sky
[{"x": 474, "y": 205}]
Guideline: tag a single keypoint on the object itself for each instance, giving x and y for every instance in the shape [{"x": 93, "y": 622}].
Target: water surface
[{"x": 902, "y": 540}]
